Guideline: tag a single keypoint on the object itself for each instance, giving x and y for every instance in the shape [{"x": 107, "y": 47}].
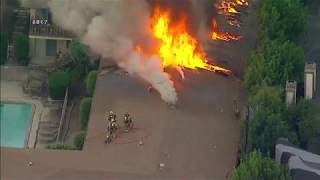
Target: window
[
  {"x": 68, "y": 43},
  {"x": 51, "y": 47}
]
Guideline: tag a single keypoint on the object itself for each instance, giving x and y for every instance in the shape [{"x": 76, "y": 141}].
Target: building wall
[
  {"x": 38, "y": 50},
  {"x": 61, "y": 45},
  {"x": 290, "y": 97},
  {"x": 309, "y": 86},
  {"x": 32, "y": 13},
  {"x": 38, "y": 46}
]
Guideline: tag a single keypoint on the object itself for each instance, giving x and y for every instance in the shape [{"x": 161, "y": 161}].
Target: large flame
[
  {"x": 217, "y": 34},
  {"x": 177, "y": 47}
]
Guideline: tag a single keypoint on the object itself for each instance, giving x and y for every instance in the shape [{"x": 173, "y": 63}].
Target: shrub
[
  {"x": 79, "y": 140},
  {"x": 85, "y": 106},
  {"x": 76, "y": 74},
  {"x": 60, "y": 146},
  {"x": 78, "y": 53},
  {"x": 58, "y": 83},
  {"x": 303, "y": 118},
  {"x": 4, "y": 45},
  {"x": 91, "y": 82},
  {"x": 255, "y": 166},
  {"x": 21, "y": 48}
]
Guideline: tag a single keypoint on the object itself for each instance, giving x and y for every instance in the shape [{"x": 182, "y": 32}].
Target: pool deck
[{"x": 11, "y": 91}]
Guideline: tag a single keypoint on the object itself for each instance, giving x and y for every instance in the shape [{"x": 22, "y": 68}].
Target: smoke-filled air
[{"x": 111, "y": 28}]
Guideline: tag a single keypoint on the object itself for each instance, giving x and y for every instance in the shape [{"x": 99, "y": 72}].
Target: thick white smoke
[{"x": 111, "y": 28}]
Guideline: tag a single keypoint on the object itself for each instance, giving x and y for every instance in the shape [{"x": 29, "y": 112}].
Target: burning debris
[
  {"x": 230, "y": 9},
  {"x": 227, "y": 8},
  {"x": 242, "y": 2},
  {"x": 217, "y": 34},
  {"x": 234, "y": 21}
]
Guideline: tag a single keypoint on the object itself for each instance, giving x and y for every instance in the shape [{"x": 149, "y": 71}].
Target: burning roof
[{"x": 146, "y": 36}]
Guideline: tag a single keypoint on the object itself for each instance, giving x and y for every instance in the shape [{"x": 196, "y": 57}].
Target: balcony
[{"x": 48, "y": 31}]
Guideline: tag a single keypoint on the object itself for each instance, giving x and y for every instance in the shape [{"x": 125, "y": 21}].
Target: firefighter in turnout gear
[
  {"x": 127, "y": 122},
  {"x": 111, "y": 116},
  {"x": 112, "y": 126}
]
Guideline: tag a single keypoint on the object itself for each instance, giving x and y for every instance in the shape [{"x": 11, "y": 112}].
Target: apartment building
[{"x": 46, "y": 39}]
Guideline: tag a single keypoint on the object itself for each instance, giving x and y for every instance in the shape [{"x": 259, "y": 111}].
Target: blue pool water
[{"x": 14, "y": 119}]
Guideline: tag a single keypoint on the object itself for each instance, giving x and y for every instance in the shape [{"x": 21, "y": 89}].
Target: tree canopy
[
  {"x": 274, "y": 63},
  {"x": 268, "y": 124},
  {"x": 78, "y": 53},
  {"x": 255, "y": 166},
  {"x": 281, "y": 19}
]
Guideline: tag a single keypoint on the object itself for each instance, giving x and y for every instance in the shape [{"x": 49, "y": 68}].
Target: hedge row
[
  {"x": 77, "y": 143},
  {"x": 85, "y": 106},
  {"x": 91, "y": 82}
]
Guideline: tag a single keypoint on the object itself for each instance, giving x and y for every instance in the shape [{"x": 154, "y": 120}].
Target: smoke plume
[{"x": 111, "y": 28}]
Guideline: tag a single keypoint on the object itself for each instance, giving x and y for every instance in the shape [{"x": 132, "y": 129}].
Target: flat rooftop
[{"x": 198, "y": 139}]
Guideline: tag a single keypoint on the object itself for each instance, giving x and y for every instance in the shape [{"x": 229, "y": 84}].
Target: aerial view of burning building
[
  {"x": 140, "y": 89},
  {"x": 165, "y": 35}
]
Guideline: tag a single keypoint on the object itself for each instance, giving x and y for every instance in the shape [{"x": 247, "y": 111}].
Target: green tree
[
  {"x": 78, "y": 53},
  {"x": 273, "y": 63},
  {"x": 58, "y": 83},
  {"x": 281, "y": 19},
  {"x": 91, "y": 82},
  {"x": 257, "y": 167},
  {"x": 304, "y": 119},
  {"x": 268, "y": 124},
  {"x": 79, "y": 140},
  {"x": 4, "y": 45},
  {"x": 21, "y": 48},
  {"x": 85, "y": 106},
  {"x": 76, "y": 74}
]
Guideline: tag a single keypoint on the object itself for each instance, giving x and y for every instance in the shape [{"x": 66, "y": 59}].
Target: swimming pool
[{"x": 15, "y": 120}]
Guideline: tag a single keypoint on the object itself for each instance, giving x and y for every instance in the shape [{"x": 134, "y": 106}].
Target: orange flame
[
  {"x": 217, "y": 34},
  {"x": 177, "y": 47},
  {"x": 227, "y": 8},
  {"x": 242, "y": 2}
]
